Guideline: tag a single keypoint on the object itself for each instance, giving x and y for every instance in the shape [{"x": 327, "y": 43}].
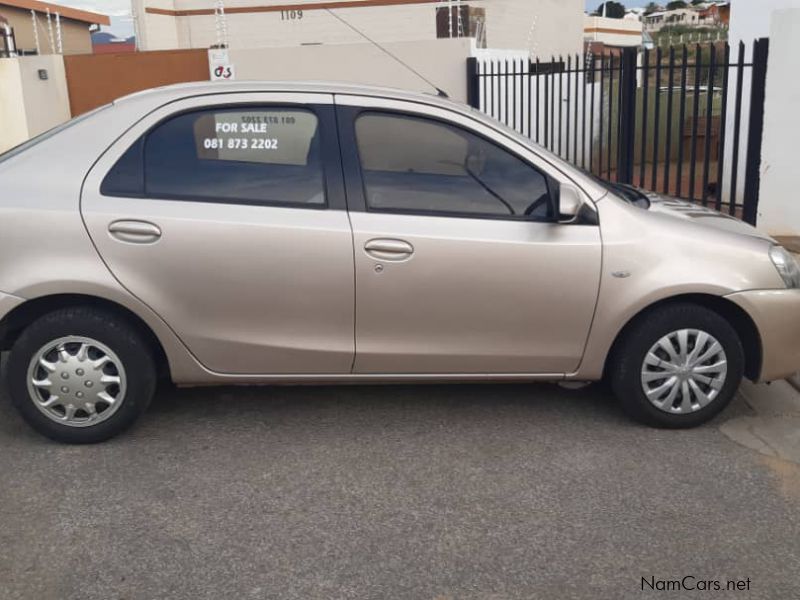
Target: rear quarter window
[{"x": 249, "y": 155}]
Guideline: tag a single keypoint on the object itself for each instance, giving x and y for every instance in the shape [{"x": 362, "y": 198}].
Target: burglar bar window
[{"x": 463, "y": 21}]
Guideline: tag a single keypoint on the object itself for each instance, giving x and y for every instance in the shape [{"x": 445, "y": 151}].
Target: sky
[{"x": 118, "y": 10}]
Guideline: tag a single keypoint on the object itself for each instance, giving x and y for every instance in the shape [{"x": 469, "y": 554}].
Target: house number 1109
[{"x": 291, "y": 15}]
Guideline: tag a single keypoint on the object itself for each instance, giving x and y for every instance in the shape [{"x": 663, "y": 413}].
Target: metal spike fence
[{"x": 671, "y": 121}]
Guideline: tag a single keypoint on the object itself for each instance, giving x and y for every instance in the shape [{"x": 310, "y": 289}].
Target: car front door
[
  {"x": 461, "y": 265},
  {"x": 226, "y": 215}
]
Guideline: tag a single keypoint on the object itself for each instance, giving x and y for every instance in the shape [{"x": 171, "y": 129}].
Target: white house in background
[
  {"x": 543, "y": 27},
  {"x": 635, "y": 14},
  {"x": 612, "y": 32},
  {"x": 688, "y": 17}
]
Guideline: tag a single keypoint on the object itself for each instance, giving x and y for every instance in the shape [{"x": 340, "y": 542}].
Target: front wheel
[
  {"x": 80, "y": 375},
  {"x": 677, "y": 366}
]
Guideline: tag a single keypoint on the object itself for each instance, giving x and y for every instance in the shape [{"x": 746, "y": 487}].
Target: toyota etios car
[{"x": 296, "y": 233}]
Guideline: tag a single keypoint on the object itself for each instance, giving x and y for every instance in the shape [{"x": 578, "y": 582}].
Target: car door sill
[{"x": 372, "y": 378}]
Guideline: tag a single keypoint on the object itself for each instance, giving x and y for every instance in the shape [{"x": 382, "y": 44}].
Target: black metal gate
[{"x": 671, "y": 121}]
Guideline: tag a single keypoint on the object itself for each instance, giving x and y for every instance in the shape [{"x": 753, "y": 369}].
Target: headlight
[{"x": 787, "y": 266}]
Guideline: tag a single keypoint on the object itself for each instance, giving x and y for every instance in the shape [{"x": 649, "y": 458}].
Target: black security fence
[{"x": 686, "y": 121}]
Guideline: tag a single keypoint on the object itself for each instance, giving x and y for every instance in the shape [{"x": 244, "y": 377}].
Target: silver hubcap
[
  {"x": 684, "y": 371},
  {"x": 76, "y": 381}
]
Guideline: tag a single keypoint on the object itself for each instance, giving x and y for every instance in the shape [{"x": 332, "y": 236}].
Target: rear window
[{"x": 249, "y": 155}]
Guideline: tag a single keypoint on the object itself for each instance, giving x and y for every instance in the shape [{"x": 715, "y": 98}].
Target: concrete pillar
[
  {"x": 33, "y": 97},
  {"x": 13, "y": 124},
  {"x": 779, "y": 207}
]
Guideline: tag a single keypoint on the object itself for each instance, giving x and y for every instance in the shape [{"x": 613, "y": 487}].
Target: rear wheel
[
  {"x": 80, "y": 375},
  {"x": 678, "y": 366}
]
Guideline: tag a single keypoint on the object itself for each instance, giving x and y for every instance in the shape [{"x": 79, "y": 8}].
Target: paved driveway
[{"x": 424, "y": 492}]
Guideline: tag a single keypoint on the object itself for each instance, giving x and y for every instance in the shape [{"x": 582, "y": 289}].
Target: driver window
[{"x": 418, "y": 165}]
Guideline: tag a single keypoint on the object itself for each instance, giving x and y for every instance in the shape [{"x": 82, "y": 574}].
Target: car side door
[
  {"x": 226, "y": 215},
  {"x": 461, "y": 264}
]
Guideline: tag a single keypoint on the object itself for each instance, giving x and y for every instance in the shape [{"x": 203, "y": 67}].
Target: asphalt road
[{"x": 424, "y": 492}]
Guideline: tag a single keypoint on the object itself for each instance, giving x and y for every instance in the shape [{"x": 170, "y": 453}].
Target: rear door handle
[
  {"x": 386, "y": 249},
  {"x": 135, "y": 232}
]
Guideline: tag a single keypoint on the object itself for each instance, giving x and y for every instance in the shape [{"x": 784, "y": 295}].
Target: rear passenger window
[
  {"x": 241, "y": 155},
  {"x": 418, "y": 165}
]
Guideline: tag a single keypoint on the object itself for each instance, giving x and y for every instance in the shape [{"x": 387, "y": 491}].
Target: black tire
[
  {"x": 104, "y": 327},
  {"x": 629, "y": 355}
]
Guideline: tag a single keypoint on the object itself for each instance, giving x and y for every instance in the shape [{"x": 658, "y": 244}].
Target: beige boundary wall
[
  {"x": 30, "y": 105},
  {"x": 442, "y": 61},
  {"x": 13, "y": 125}
]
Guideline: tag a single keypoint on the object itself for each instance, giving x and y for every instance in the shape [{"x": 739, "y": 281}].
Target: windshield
[
  {"x": 19, "y": 149},
  {"x": 628, "y": 193}
]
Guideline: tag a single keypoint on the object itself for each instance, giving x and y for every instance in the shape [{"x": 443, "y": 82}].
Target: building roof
[{"x": 64, "y": 11}]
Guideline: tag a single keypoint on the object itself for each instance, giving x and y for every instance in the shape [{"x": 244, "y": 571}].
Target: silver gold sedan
[{"x": 296, "y": 233}]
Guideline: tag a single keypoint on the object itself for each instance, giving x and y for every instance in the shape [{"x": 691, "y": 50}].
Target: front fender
[{"x": 652, "y": 257}]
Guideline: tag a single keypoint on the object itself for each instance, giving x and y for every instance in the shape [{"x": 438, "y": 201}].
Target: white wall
[
  {"x": 361, "y": 63},
  {"x": 779, "y": 207},
  {"x": 544, "y": 27},
  {"x": 155, "y": 32},
  {"x": 29, "y": 105},
  {"x": 270, "y": 29},
  {"x": 750, "y": 20}
]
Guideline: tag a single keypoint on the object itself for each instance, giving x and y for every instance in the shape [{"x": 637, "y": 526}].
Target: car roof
[{"x": 179, "y": 91}]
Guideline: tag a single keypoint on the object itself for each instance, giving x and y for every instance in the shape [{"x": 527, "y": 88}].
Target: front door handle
[
  {"x": 390, "y": 250},
  {"x": 135, "y": 232}
]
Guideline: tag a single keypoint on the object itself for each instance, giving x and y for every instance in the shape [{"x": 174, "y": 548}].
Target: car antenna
[{"x": 439, "y": 91}]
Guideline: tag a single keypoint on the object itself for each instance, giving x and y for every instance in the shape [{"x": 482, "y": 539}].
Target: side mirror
[{"x": 569, "y": 203}]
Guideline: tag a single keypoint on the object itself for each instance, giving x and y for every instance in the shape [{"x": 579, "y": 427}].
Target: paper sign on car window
[{"x": 272, "y": 137}]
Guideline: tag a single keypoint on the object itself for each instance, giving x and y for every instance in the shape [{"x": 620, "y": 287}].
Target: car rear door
[
  {"x": 452, "y": 277},
  {"x": 226, "y": 215}
]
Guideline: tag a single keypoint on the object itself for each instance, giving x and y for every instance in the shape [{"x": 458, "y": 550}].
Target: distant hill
[{"x": 103, "y": 37}]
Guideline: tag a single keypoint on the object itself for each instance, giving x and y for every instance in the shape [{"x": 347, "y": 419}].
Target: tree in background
[
  {"x": 613, "y": 10},
  {"x": 676, "y": 4}
]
